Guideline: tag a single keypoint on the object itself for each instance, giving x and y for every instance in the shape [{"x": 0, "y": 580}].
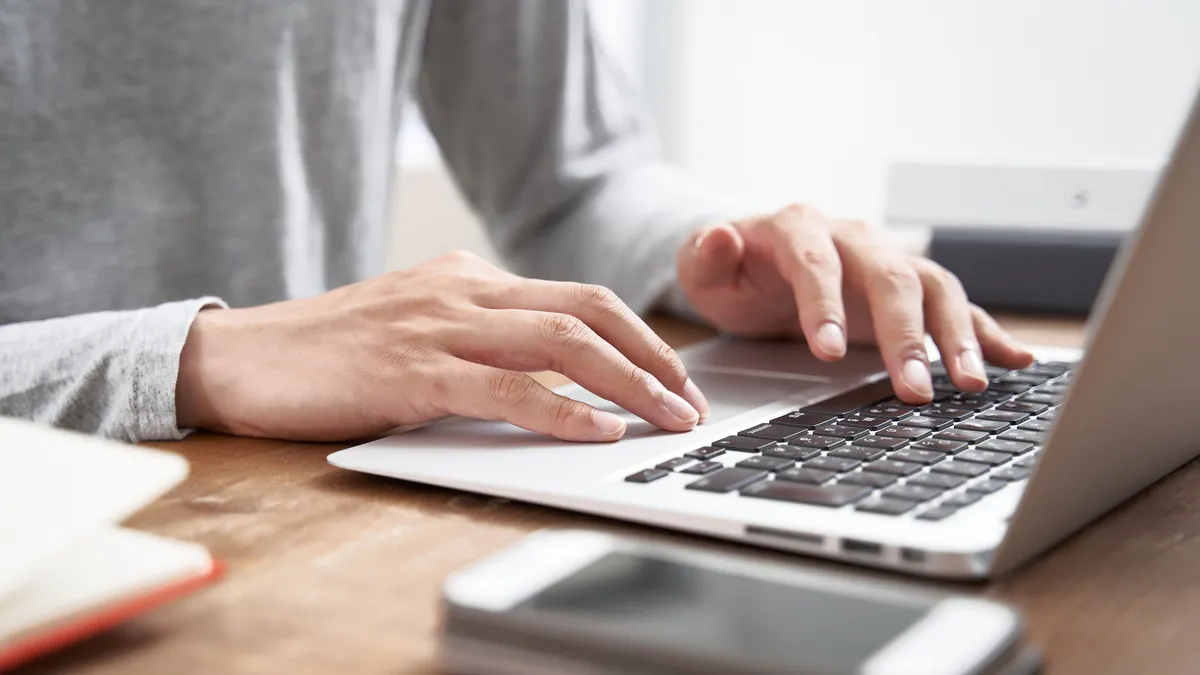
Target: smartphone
[{"x": 574, "y": 601}]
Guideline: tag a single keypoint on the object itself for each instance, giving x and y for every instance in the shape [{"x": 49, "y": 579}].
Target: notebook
[{"x": 68, "y": 570}]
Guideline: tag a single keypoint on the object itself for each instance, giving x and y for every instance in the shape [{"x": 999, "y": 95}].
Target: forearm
[{"x": 109, "y": 373}]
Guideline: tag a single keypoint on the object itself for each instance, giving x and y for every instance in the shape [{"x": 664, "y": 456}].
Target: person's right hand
[{"x": 452, "y": 336}]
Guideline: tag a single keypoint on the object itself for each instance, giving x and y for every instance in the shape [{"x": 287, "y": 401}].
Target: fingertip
[
  {"x": 828, "y": 343},
  {"x": 607, "y": 426},
  {"x": 693, "y": 395},
  {"x": 719, "y": 242}
]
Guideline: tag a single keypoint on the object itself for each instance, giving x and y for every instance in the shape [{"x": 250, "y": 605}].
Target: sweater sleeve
[
  {"x": 551, "y": 148},
  {"x": 108, "y": 373}
]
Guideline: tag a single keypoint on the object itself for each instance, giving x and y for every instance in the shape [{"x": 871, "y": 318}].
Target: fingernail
[
  {"x": 607, "y": 423},
  {"x": 679, "y": 408},
  {"x": 700, "y": 240},
  {"x": 970, "y": 363},
  {"x": 694, "y": 396},
  {"x": 916, "y": 376},
  {"x": 830, "y": 339}
]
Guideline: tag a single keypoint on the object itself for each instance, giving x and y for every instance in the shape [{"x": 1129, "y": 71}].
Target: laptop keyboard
[{"x": 869, "y": 451}]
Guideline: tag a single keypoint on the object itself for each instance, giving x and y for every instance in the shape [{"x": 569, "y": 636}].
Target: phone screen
[{"x": 694, "y": 607}]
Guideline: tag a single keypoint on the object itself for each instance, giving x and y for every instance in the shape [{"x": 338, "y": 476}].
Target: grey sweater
[{"x": 160, "y": 155}]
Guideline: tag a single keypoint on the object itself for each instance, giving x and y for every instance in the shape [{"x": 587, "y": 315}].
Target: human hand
[
  {"x": 452, "y": 336},
  {"x": 799, "y": 273}
]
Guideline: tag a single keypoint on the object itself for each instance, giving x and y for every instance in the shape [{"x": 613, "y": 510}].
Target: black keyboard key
[
  {"x": 986, "y": 426},
  {"x": 1010, "y": 387},
  {"x": 968, "y": 469},
  {"x": 888, "y": 410},
  {"x": 795, "y": 453},
  {"x": 817, "y": 495},
  {"x": 907, "y": 433},
  {"x": 889, "y": 507},
  {"x": 1003, "y": 416},
  {"x": 940, "y": 445},
  {"x": 840, "y": 431},
  {"x": 853, "y": 399},
  {"x": 1057, "y": 388},
  {"x": 912, "y": 493},
  {"x": 940, "y": 512},
  {"x": 804, "y": 420},
  {"x": 1010, "y": 447},
  {"x": 857, "y": 452},
  {"x": 743, "y": 443},
  {"x": 942, "y": 481},
  {"x": 961, "y": 436},
  {"x": 1023, "y": 378},
  {"x": 771, "y": 432},
  {"x": 945, "y": 411},
  {"x": 1023, "y": 407},
  {"x": 1039, "y": 397},
  {"x": 701, "y": 468},
  {"x": 837, "y": 464},
  {"x": 1011, "y": 473},
  {"x": 1037, "y": 425},
  {"x": 815, "y": 441},
  {"x": 932, "y": 423},
  {"x": 868, "y": 479},
  {"x": 704, "y": 453},
  {"x": 937, "y": 369},
  {"x": 764, "y": 463},
  {"x": 1026, "y": 462},
  {"x": 864, "y": 421},
  {"x": 894, "y": 467},
  {"x": 979, "y": 400},
  {"x": 983, "y": 457},
  {"x": 880, "y": 442},
  {"x": 1051, "y": 415},
  {"x": 919, "y": 456},
  {"x": 647, "y": 476},
  {"x": 994, "y": 371},
  {"x": 728, "y": 480},
  {"x": 675, "y": 463},
  {"x": 1044, "y": 369},
  {"x": 801, "y": 475},
  {"x": 1022, "y": 436},
  {"x": 960, "y": 500},
  {"x": 987, "y": 487}
]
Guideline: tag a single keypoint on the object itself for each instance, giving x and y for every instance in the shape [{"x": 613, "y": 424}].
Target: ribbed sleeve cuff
[{"x": 157, "y": 341}]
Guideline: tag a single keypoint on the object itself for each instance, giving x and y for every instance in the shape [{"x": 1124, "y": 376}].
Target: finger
[
  {"x": 528, "y": 340},
  {"x": 711, "y": 258},
  {"x": 483, "y": 392},
  {"x": 999, "y": 347},
  {"x": 948, "y": 318},
  {"x": 615, "y": 323},
  {"x": 806, "y": 257},
  {"x": 894, "y": 294}
]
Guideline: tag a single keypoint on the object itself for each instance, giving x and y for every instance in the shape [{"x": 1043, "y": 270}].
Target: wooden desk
[{"x": 336, "y": 572}]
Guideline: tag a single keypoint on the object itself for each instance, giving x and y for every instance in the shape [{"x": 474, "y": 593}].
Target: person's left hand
[{"x": 799, "y": 273}]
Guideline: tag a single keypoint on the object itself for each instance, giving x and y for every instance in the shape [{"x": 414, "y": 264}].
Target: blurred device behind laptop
[
  {"x": 68, "y": 570},
  {"x": 574, "y": 601},
  {"x": 818, "y": 458}
]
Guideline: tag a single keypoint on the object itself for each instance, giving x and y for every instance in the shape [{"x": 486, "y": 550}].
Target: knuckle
[
  {"x": 668, "y": 363},
  {"x": 856, "y": 228},
  {"x": 636, "y": 378},
  {"x": 462, "y": 256},
  {"x": 562, "y": 411},
  {"x": 896, "y": 275},
  {"x": 800, "y": 210},
  {"x": 564, "y": 329},
  {"x": 599, "y": 297},
  {"x": 510, "y": 388},
  {"x": 814, "y": 258}
]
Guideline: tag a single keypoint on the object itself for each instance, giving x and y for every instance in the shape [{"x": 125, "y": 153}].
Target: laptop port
[
  {"x": 860, "y": 547},
  {"x": 913, "y": 555}
]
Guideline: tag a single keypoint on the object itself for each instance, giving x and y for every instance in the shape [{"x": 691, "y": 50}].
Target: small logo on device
[{"x": 1080, "y": 199}]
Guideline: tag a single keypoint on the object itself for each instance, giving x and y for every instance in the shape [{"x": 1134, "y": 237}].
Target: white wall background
[
  {"x": 777, "y": 100},
  {"x": 781, "y": 100}
]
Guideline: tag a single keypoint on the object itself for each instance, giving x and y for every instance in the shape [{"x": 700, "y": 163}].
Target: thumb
[{"x": 711, "y": 257}]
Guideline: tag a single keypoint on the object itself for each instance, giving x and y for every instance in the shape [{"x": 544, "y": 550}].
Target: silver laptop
[{"x": 818, "y": 458}]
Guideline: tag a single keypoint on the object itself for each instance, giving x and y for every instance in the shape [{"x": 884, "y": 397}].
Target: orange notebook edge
[{"x": 103, "y": 618}]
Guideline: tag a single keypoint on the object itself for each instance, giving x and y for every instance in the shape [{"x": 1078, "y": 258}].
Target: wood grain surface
[{"x": 336, "y": 572}]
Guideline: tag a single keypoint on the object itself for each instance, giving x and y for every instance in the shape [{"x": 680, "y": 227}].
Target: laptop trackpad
[{"x": 728, "y": 394}]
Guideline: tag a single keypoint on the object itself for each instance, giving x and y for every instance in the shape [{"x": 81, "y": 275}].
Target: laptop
[{"x": 819, "y": 459}]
